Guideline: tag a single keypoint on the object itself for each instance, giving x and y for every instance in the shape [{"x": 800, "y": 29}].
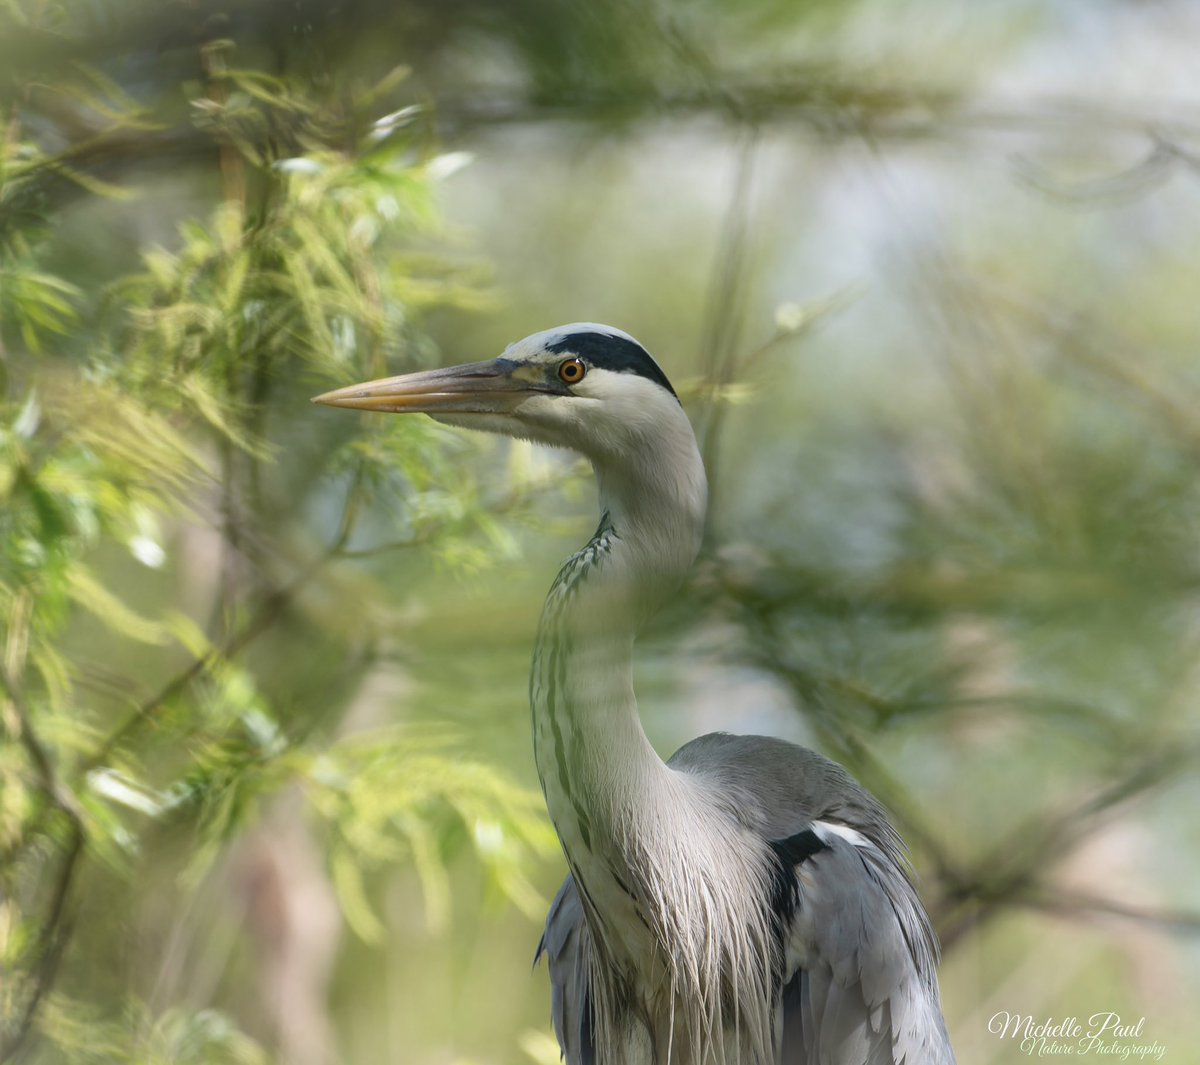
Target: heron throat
[{"x": 592, "y": 754}]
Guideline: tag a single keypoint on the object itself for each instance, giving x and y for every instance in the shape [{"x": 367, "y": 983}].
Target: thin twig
[
  {"x": 54, "y": 933},
  {"x": 723, "y": 319},
  {"x": 265, "y": 615},
  {"x": 1016, "y": 867},
  {"x": 1082, "y": 905}
]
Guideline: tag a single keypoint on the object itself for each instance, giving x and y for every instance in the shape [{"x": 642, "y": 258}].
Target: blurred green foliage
[
  {"x": 952, "y": 541},
  {"x": 138, "y": 404}
]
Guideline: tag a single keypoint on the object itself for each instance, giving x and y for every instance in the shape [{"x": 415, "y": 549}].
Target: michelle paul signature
[{"x": 1106, "y": 1035}]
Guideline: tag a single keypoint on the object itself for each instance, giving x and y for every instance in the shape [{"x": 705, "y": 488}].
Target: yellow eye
[{"x": 572, "y": 371}]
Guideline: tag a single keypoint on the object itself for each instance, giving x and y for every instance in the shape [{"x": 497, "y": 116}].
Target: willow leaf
[
  {"x": 90, "y": 594},
  {"x": 352, "y": 896}
]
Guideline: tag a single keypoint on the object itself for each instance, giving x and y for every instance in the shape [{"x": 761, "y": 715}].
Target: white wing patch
[{"x": 826, "y": 830}]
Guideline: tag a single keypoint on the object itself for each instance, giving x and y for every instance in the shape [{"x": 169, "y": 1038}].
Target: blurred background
[{"x": 924, "y": 273}]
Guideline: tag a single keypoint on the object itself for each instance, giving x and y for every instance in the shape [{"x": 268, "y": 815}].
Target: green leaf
[
  {"x": 352, "y": 895},
  {"x": 90, "y": 594}
]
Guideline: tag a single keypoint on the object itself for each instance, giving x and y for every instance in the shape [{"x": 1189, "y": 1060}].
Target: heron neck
[
  {"x": 593, "y": 757},
  {"x": 657, "y": 517}
]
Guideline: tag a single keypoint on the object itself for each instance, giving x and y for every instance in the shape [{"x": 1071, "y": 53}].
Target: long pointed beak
[{"x": 476, "y": 388}]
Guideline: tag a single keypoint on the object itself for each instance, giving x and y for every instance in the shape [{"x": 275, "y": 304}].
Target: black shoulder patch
[
  {"x": 607, "y": 352},
  {"x": 797, "y": 849},
  {"x": 785, "y": 893}
]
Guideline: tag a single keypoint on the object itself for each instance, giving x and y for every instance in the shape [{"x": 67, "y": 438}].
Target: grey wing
[
  {"x": 566, "y": 942},
  {"x": 860, "y": 981}
]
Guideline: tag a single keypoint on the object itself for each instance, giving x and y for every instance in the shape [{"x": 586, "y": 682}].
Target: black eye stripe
[{"x": 618, "y": 354}]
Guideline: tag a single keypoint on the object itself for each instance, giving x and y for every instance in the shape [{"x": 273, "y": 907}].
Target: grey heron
[{"x": 745, "y": 902}]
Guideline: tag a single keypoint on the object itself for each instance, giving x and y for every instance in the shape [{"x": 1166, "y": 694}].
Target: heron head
[{"x": 588, "y": 387}]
